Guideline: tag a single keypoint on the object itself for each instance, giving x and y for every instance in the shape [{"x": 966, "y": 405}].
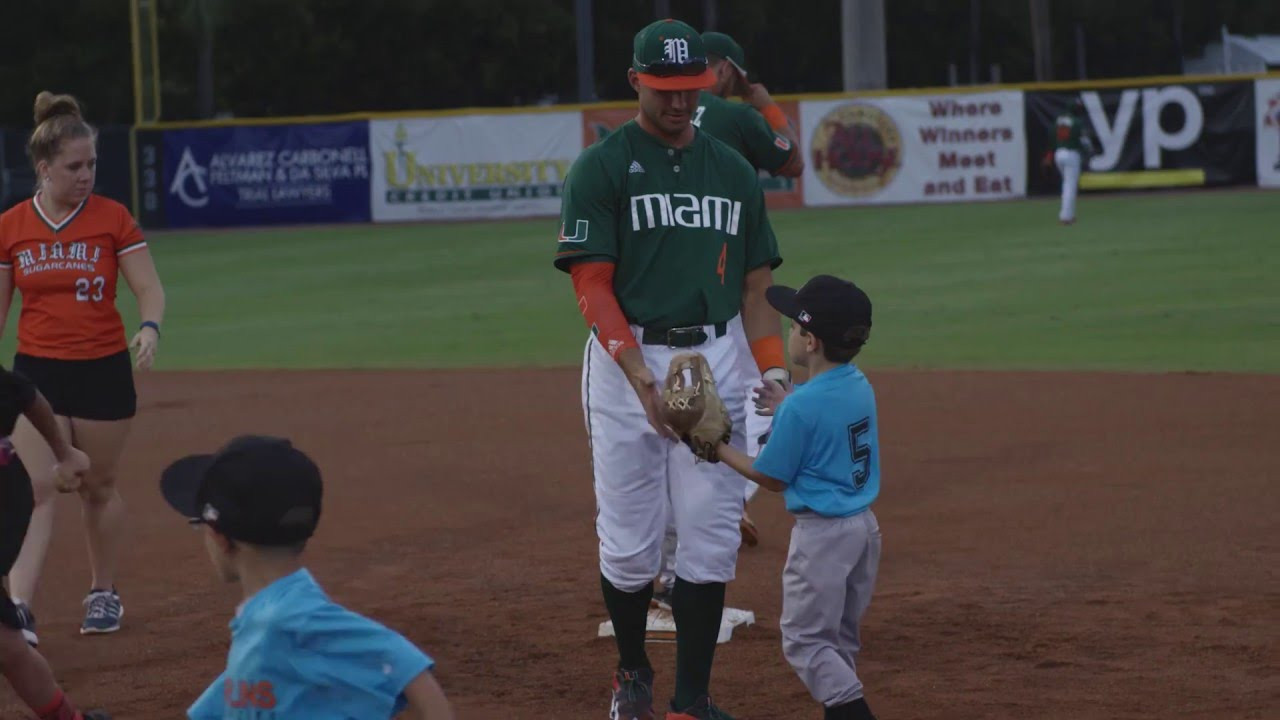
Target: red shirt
[{"x": 67, "y": 275}]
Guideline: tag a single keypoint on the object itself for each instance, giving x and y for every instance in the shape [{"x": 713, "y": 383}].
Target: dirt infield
[{"x": 1055, "y": 546}]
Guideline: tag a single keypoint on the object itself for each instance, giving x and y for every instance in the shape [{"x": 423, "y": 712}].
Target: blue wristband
[{"x": 153, "y": 326}]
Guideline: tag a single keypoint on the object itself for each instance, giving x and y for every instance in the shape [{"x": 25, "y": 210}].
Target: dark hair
[
  {"x": 58, "y": 119},
  {"x": 846, "y": 351},
  {"x": 295, "y": 548}
]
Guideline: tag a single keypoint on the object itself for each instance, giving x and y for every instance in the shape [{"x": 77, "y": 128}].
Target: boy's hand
[{"x": 770, "y": 395}]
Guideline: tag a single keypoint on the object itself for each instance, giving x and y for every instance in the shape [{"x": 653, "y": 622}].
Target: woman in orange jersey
[{"x": 63, "y": 250}]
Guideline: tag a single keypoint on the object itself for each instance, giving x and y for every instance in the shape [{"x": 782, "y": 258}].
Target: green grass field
[{"x": 1185, "y": 281}]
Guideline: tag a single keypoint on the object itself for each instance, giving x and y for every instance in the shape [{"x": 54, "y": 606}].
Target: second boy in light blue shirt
[{"x": 294, "y": 652}]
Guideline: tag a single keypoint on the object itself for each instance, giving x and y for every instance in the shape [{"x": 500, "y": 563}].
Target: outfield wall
[{"x": 933, "y": 145}]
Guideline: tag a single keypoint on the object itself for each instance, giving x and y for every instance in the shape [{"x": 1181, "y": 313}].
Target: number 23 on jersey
[{"x": 90, "y": 288}]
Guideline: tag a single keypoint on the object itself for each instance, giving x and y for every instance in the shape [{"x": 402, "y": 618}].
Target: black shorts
[
  {"x": 16, "y": 503},
  {"x": 98, "y": 389}
]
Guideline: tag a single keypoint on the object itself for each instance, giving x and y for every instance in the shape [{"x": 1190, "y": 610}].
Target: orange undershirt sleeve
[
  {"x": 774, "y": 116},
  {"x": 768, "y": 353},
  {"x": 593, "y": 284}
]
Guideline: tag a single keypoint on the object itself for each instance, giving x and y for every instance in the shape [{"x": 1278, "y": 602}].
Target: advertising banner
[
  {"x": 265, "y": 174},
  {"x": 1267, "y": 101},
  {"x": 914, "y": 148},
  {"x": 468, "y": 167},
  {"x": 1154, "y": 136}
]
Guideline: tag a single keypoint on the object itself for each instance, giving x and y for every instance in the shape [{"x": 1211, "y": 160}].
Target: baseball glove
[{"x": 693, "y": 408}]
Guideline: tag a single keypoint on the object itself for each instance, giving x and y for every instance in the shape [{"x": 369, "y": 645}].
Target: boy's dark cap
[
  {"x": 257, "y": 489},
  {"x": 836, "y": 311}
]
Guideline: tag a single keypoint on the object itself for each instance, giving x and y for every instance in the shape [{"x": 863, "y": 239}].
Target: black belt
[{"x": 684, "y": 337}]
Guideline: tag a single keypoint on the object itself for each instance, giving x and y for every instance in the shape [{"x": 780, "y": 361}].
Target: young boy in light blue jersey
[
  {"x": 823, "y": 455},
  {"x": 294, "y": 652}
]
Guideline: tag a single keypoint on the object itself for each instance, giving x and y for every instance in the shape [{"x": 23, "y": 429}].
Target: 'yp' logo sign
[{"x": 1155, "y": 137}]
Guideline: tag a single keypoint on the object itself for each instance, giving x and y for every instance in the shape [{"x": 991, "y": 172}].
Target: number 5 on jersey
[
  {"x": 90, "y": 288},
  {"x": 861, "y": 452}
]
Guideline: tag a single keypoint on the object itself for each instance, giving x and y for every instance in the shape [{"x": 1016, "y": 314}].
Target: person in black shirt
[{"x": 26, "y": 669}]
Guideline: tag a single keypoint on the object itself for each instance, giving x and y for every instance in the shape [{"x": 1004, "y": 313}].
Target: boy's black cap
[
  {"x": 835, "y": 310},
  {"x": 257, "y": 489}
]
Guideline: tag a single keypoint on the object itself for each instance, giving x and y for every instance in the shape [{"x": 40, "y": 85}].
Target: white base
[{"x": 661, "y": 626}]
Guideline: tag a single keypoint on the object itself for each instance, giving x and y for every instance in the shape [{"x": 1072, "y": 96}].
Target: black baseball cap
[
  {"x": 836, "y": 311},
  {"x": 257, "y": 489}
]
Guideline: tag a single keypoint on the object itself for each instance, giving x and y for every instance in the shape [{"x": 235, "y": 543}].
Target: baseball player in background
[
  {"x": 294, "y": 652},
  {"x": 761, "y": 133},
  {"x": 823, "y": 455},
  {"x": 1071, "y": 146},
  {"x": 757, "y": 128},
  {"x": 665, "y": 233}
]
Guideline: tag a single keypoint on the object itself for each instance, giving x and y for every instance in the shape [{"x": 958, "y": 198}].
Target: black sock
[
  {"x": 856, "y": 710},
  {"x": 697, "y": 609},
  {"x": 629, "y": 613}
]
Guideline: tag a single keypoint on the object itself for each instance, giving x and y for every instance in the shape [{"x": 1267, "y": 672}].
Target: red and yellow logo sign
[{"x": 857, "y": 150}]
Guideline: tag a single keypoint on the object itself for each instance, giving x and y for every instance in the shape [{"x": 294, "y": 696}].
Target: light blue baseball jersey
[
  {"x": 297, "y": 654},
  {"x": 825, "y": 445}
]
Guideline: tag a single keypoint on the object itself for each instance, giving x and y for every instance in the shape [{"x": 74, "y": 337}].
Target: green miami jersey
[
  {"x": 683, "y": 226},
  {"x": 744, "y": 129},
  {"x": 1069, "y": 133}
]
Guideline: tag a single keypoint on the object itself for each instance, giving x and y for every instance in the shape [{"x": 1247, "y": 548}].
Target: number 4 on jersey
[{"x": 861, "y": 452}]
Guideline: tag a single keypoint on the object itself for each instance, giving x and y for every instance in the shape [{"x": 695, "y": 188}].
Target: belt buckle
[{"x": 690, "y": 331}]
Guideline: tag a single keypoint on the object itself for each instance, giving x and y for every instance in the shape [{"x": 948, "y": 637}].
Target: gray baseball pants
[{"x": 827, "y": 585}]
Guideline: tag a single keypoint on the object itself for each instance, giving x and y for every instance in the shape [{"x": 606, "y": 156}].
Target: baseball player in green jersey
[
  {"x": 665, "y": 234},
  {"x": 762, "y": 134},
  {"x": 1071, "y": 145},
  {"x": 757, "y": 128}
]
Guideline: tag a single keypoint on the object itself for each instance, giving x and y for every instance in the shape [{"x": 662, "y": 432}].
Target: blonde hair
[{"x": 58, "y": 119}]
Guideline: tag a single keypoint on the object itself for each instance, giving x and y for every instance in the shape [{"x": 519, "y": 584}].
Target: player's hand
[
  {"x": 757, "y": 96},
  {"x": 144, "y": 345},
  {"x": 647, "y": 390},
  {"x": 646, "y": 387},
  {"x": 70, "y": 469},
  {"x": 770, "y": 395}
]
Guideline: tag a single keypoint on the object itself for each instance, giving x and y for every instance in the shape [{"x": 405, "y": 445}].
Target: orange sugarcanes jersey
[{"x": 66, "y": 272}]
